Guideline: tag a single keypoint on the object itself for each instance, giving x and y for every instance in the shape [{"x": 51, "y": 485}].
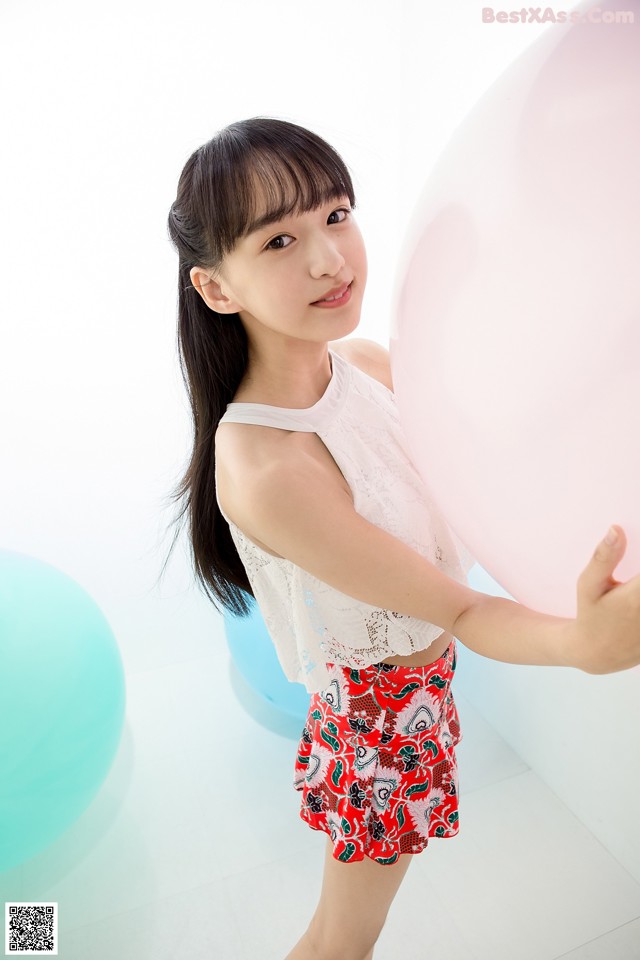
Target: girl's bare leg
[{"x": 352, "y": 910}]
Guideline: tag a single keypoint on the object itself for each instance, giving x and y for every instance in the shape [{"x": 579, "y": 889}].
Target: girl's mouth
[{"x": 337, "y": 301}]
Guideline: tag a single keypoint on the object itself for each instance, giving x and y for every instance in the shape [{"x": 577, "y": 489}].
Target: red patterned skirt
[{"x": 376, "y": 764}]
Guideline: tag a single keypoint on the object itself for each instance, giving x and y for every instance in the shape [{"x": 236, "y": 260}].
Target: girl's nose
[{"x": 325, "y": 259}]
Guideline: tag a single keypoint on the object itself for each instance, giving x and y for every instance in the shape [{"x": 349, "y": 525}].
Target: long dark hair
[{"x": 215, "y": 206}]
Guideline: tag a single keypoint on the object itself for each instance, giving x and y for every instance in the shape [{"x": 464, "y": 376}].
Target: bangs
[
  {"x": 280, "y": 186},
  {"x": 259, "y": 180}
]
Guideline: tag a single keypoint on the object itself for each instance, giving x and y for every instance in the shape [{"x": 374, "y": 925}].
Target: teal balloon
[
  {"x": 254, "y": 655},
  {"x": 62, "y": 704}
]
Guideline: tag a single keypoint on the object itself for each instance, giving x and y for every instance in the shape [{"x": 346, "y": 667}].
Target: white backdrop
[
  {"x": 101, "y": 106},
  {"x": 100, "y": 110}
]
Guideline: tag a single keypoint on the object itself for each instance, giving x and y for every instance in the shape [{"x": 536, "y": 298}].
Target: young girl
[{"x": 301, "y": 492}]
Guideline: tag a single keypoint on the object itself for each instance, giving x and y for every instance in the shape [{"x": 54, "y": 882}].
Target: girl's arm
[
  {"x": 604, "y": 637},
  {"x": 296, "y": 508}
]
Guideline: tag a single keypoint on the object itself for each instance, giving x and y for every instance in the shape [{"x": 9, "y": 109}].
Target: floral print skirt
[{"x": 376, "y": 765}]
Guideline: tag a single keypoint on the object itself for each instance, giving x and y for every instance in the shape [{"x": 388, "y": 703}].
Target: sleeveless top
[{"x": 310, "y": 622}]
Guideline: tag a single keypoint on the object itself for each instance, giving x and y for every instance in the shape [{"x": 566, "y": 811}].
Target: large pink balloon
[{"x": 515, "y": 350}]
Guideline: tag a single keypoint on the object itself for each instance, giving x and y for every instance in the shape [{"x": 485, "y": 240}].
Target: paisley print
[{"x": 376, "y": 765}]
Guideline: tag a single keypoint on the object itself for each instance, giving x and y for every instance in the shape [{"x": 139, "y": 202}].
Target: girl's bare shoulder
[
  {"x": 244, "y": 452},
  {"x": 366, "y": 355},
  {"x": 243, "y": 448}
]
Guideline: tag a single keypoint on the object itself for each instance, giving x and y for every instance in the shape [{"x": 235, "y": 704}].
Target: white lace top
[{"x": 310, "y": 622}]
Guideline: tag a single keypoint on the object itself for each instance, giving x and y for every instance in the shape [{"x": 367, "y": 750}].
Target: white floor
[{"x": 194, "y": 849}]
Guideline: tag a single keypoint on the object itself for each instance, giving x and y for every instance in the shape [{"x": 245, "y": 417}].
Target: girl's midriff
[{"x": 423, "y": 658}]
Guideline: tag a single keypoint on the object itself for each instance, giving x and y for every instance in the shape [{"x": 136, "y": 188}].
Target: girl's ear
[{"x": 211, "y": 292}]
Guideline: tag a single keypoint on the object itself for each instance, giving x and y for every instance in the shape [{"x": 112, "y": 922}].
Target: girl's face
[{"x": 275, "y": 275}]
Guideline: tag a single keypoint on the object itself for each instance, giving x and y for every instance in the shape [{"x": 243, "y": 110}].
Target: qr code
[{"x": 31, "y": 929}]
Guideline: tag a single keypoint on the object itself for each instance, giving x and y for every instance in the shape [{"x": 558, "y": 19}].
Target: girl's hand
[{"x": 606, "y": 635}]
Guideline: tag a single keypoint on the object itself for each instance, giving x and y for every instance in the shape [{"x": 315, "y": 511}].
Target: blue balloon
[
  {"x": 62, "y": 704},
  {"x": 254, "y": 654}
]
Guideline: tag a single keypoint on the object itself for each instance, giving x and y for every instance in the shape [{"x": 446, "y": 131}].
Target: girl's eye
[
  {"x": 274, "y": 245},
  {"x": 344, "y": 210},
  {"x": 277, "y": 243}
]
